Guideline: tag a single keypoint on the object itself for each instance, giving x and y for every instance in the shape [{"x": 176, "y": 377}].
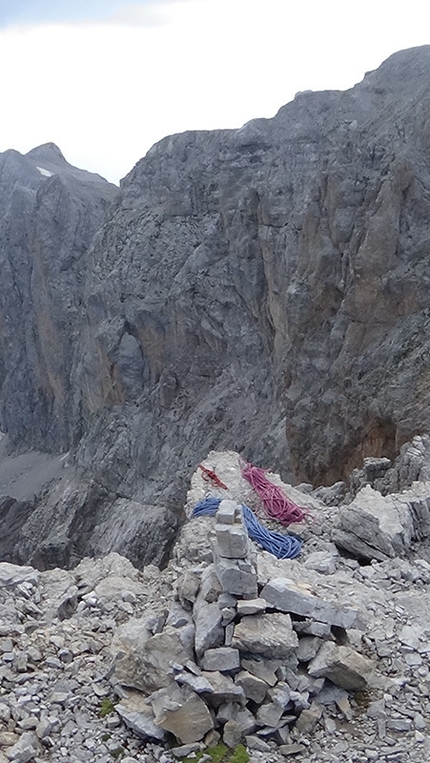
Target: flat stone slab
[
  {"x": 308, "y": 718},
  {"x": 251, "y": 606},
  {"x": 269, "y": 714},
  {"x": 288, "y": 596},
  {"x": 264, "y": 669},
  {"x": 199, "y": 684}
]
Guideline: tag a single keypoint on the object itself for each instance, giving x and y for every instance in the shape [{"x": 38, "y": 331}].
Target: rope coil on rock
[
  {"x": 210, "y": 476},
  {"x": 276, "y": 504},
  {"x": 281, "y": 546}
]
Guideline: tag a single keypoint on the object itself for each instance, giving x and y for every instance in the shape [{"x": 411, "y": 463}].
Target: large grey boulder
[
  {"x": 139, "y": 716},
  {"x": 267, "y": 635},
  {"x": 12, "y": 575},
  {"x": 342, "y": 665},
  {"x": 183, "y": 713},
  {"x": 209, "y": 630},
  {"x": 253, "y": 687},
  {"x": 25, "y": 749},
  {"x": 374, "y": 526},
  {"x": 142, "y": 660}
]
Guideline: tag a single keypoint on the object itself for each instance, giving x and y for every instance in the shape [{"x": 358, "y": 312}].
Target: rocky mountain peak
[
  {"x": 257, "y": 294},
  {"x": 262, "y": 289},
  {"x": 48, "y": 151}
]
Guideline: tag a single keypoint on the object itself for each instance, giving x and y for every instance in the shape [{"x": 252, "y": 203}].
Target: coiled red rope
[
  {"x": 276, "y": 504},
  {"x": 210, "y": 476}
]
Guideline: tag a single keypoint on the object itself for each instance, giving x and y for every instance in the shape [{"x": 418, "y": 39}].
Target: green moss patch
[
  {"x": 106, "y": 707},
  {"x": 222, "y": 754}
]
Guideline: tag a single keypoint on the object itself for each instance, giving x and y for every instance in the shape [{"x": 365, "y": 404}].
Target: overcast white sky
[{"x": 105, "y": 79}]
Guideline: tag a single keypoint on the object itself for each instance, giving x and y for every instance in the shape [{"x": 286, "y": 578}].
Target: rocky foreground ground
[{"x": 105, "y": 662}]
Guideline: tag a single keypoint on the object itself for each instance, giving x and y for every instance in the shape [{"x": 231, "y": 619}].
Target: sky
[{"x": 106, "y": 79}]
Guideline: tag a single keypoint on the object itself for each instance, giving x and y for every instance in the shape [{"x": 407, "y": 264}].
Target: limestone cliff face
[
  {"x": 265, "y": 290},
  {"x": 274, "y": 273},
  {"x": 49, "y": 212}
]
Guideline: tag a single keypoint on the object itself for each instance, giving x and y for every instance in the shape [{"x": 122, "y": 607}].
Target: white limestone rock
[
  {"x": 268, "y": 635},
  {"x": 25, "y": 750},
  {"x": 209, "y": 630},
  {"x": 142, "y": 659},
  {"x": 374, "y": 526},
  {"x": 289, "y": 596},
  {"x": 182, "y": 712},
  {"x": 233, "y": 541},
  {"x": 342, "y": 665},
  {"x": 139, "y": 716},
  {"x": 12, "y": 575}
]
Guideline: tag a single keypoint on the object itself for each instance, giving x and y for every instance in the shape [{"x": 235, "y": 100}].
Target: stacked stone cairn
[{"x": 232, "y": 662}]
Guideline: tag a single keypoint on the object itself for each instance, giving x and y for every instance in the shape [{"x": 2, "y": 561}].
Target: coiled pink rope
[{"x": 276, "y": 504}]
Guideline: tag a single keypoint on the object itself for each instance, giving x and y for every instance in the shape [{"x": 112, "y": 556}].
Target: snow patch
[{"x": 44, "y": 172}]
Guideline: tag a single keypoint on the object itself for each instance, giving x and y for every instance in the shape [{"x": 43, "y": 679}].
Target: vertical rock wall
[{"x": 49, "y": 212}]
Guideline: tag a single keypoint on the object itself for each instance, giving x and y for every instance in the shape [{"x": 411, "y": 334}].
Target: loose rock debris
[{"x": 317, "y": 659}]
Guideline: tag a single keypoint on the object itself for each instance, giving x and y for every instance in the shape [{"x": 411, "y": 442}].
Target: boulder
[
  {"x": 308, "y": 718},
  {"x": 342, "y": 665},
  {"x": 223, "y": 689},
  {"x": 224, "y": 659},
  {"x": 263, "y": 669},
  {"x": 254, "y": 688},
  {"x": 374, "y": 526},
  {"x": 25, "y": 749},
  {"x": 182, "y": 712},
  {"x": 268, "y": 635},
  {"x": 209, "y": 630},
  {"x": 269, "y": 714},
  {"x": 237, "y": 577},
  {"x": 232, "y": 733},
  {"x": 138, "y": 715},
  {"x": 232, "y": 540},
  {"x": 12, "y": 575},
  {"x": 210, "y": 587},
  {"x": 227, "y": 513},
  {"x": 142, "y": 659}
]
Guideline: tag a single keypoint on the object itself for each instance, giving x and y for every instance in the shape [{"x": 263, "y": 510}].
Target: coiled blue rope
[{"x": 281, "y": 546}]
